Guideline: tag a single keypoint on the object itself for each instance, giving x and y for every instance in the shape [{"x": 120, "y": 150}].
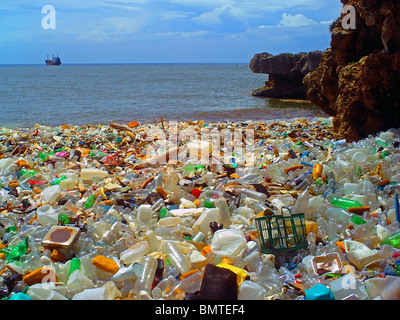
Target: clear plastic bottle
[
  {"x": 146, "y": 277},
  {"x": 225, "y": 214},
  {"x": 176, "y": 257},
  {"x": 301, "y": 203}
]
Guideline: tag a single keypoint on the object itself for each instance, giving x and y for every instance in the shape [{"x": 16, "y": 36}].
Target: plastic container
[
  {"x": 50, "y": 194},
  {"x": 135, "y": 252},
  {"x": 144, "y": 213},
  {"x": 319, "y": 292},
  {"x": 250, "y": 290},
  {"x": 218, "y": 284},
  {"x": 47, "y": 215},
  {"x": 329, "y": 262},
  {"x": 229, "y": 242},
  {"x": 280, "y": 233},
  {"x": 176, "y": 257},
  {"x": 347, "y": 286},
  {"x": 145, "y": 279}
]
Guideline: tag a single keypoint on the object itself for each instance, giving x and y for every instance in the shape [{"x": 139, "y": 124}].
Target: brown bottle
[{"x": 218, "y": 284}]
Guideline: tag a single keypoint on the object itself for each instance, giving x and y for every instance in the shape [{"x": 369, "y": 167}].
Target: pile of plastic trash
[{"x": 121, "y": 212}]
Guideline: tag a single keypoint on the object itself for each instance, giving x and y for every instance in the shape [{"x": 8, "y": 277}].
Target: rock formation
[
  {"x": 358, "y": 79},
  {"x": 286, "y": 72}
]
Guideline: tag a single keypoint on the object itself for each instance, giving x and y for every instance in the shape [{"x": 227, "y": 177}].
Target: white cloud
[
  {"x": 177, "y": 34},
  {"x": 296, "y": 20},
  {"x": 293, "y": 21}
]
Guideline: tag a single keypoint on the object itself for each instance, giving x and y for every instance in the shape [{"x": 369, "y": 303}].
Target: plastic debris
[{"x": 151, "y": 211}]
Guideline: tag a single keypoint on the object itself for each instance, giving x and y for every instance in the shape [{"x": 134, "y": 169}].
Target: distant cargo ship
[{"x": 55, "y": 61}]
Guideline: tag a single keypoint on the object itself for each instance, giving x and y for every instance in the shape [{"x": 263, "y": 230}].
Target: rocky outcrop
[
  {"x": 286, "y": 72},
  {"x": 358, "y": 79}
]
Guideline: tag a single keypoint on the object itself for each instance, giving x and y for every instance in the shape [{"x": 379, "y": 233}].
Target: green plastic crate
[{"x": 279, "y": 233}]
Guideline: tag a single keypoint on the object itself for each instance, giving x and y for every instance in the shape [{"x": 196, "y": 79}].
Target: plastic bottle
[
  {"x": 393, "y": 240},
  {"x": 351, "y": 188},
  {"x": 345, "y": 203},
  {"x": 58, "y": 180},
  {"x": 68, "y": 183},
  {"x": 229, "y": 242},
  {"x": 337, "y": 214},
  {"x": 127, "y": 273},
  {"x": 146, "y": 277},
  {"x": 250, "y": 290},
  {"x": 135, "y": 252},
  {"x": 90, "y": 201},
  {"x": 75, "y": 264},
  {"x": 50, "y": 194},
  {"x": 252, "y": 194},
  {"x": 144, "y": 213},
  {"x": 346, "y": 286},
  {"x": 14, "y": 252},
  {"x": 176, "y": 257},
  {"x": 47, "y": 215},
  {"x": 225, "y": 214},
  {"x": 301, "y": 203}
]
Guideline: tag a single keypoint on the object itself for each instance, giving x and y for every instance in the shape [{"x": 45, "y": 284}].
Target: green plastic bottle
[
  {"x": 75, "y": 264},
  {"x": 393, "y": 240},
  {"x": 64, "y": 219},
  {"x": 345, "y": 203},
  {"x": 89, "y": 202},
  {"x": 57, "y": 181},
  {"x": 15, "y": 252},
  {"x": 163, "y": 212},
  {"x": 357, "y": 220}
]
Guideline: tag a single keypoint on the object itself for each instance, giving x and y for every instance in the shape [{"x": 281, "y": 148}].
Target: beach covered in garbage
[{"x": 256, "y": 210}]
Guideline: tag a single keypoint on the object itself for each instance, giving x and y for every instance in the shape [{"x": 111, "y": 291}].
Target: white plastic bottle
[{"x": 47, "y": 215}]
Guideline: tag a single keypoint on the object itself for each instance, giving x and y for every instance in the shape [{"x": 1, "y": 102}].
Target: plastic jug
[
  {"x": 347, "y": 286},
  {"x": 144, "y": 213},
  {"x": 387, "y": 288},
  {"x": 250, "y": 290},
  {"x": 359, "y": 254},
  {"x": 209, "y": 215},
  {"x": 50, "y": 194},
  {"x": 47, "y": 215},
  {"x": 229, "y": 242}
]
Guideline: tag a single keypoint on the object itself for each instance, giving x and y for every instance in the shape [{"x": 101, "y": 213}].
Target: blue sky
[{"x": 163, "y": 31}]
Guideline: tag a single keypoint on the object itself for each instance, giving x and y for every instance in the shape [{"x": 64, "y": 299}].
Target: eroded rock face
[
  {"x": 358, "y": 79},
  {"x": 286, "y": 72}
]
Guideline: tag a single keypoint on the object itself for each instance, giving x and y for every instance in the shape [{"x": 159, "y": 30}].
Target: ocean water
[{"x": 101, "y": 94}]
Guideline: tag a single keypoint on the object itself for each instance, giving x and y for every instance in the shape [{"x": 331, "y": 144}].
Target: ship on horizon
[{"x": 55, "y": 61}]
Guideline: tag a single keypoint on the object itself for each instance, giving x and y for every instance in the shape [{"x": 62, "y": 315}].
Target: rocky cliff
[
  {"x": 286, "y": 73},
  {"x": 358, "y": 79}
]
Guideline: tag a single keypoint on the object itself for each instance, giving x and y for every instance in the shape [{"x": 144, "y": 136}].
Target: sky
[{"x": 162, "y": 31}]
